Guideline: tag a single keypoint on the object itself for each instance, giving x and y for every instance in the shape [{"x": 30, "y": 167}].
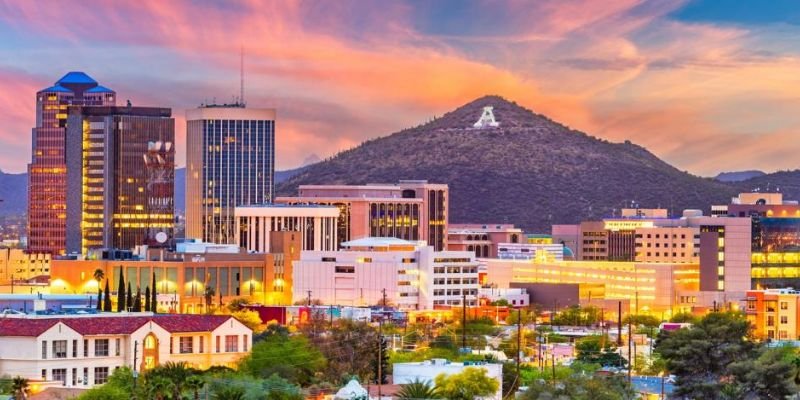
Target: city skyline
[{"x": 706, "y": 86}]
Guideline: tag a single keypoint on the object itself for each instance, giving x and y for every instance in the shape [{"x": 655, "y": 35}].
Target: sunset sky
[{"x": 708, "y": 85}]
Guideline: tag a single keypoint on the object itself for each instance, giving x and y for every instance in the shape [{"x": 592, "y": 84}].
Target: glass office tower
[
  {"x": 230, "y": 161},
  {"x": 47, "y": 173}
]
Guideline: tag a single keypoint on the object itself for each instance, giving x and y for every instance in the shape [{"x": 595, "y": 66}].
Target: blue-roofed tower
[{"x": 47, "y": 170}]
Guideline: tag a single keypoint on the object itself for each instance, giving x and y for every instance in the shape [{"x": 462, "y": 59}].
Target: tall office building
[
  {"x": 120, "y": 177},
  {"x": 47, "y": 177},
  {"x": 230, "y": 161}
]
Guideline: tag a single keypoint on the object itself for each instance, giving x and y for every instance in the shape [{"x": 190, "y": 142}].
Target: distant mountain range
[{"x": 530, "y": 171}]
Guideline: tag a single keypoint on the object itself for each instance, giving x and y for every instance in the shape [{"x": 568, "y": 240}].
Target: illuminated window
[{"x": 150, "y": 342}]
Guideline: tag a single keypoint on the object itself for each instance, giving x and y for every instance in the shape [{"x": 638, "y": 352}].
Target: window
[
  {"x": 343, "y": 269},
  {"x": 117, "y": 347},
  {"x": 770, "y": 320},
  {"x": 200, "y": 347},
  {"x": 231, "y": 344},
  {"x": 74, "y": 350},
  {"x": 784, "y": 305},
  {"x": 101, "y": 350},
  {"x": 100, "y": 375},
  {"x": 784, "y": 319},
  {"x": 59, "y": 349},
  {"x": 44, "y": 350},
  {"x": 44, "y": 374},
  {"x": 438, "y": 270},
  {"x": 217, "y": 337},
  {"x": 244, "y": 343},
  {"x": 85, "y": 376},
  {"x": 74, "y": 376},
  {"x": 185, "y": 343},
  {"x": 171, "y": 345},
  {"x": 86, "y": 348},
  {"x": 150, "y": 342},
  {"x": 60, "y": 374},
  {"x": 328, "y": 259}
]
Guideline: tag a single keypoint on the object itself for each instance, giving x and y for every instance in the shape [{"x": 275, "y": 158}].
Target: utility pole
[
  {"x": 309, "y": 298},
  {"x": 380, "y": 352},
  {"x": 630, "y": 350},
  {"x": 135, "y": 359},
  {"x": 619, "y": 324},
  {"x": 553, "y": 362},
  {"x": 519, "y": 339},
  {"x": 384, "y": 297},
  {"x": 463, "y": 320}
]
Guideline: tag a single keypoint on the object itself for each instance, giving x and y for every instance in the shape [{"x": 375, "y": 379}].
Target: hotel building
[
  {"x": 47, "y": 172},
  {"x": 409, "y": 210},
  {"x": 315, "y": 225},
  {"x": 82, "y": 351},
  {"x": 264, "y": 278},
  {"x": 120, "y": 175},
  {"x": 230, "y": 161},
  {"x": 413, "y": 275}
]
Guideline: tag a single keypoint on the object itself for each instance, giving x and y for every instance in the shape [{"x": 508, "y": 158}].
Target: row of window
[
  {"x": 455, "y": 270},
  {"x": 186, "y": 344},
  {"x": 454, "y": 292},
  {"x": 455, "y": 281},
  {"x": 666, "y": 254},
  {"x": 60, "y": 374},
  {"x": 470, "y": 303},
  {"x": 59, "y": 348},
  {"x": 666, "y": 245},
  {"x": 666, "y": 236}
]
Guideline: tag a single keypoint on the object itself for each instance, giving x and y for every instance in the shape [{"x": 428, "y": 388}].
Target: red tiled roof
[
  {"x": 31, "y": 327},
  {"x": 112, "y": 325}
]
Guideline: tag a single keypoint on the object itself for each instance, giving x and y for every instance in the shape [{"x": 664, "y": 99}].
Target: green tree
[
  {"x": 576, "y": 386},
  {"x": 129, "y": 298},
  {"x": 277, "y": 388},
  {"x": 107, "y": 299},
  {"x": 576, "y": 315},
  {"x": 20, "y": 386},
  {"x": 293, "y": 358},
  {"x": 137, "y": 301},
  {"x": 469, "y": 384},
  {"x": 701, "y": 356},
  {"x": 99, "y": 275},
  {"x": 600, "y": 350},
  {"x": 383, "y": 358},
  {"x": 769, "y": 376},
  {"x": 249, "y": 318},
  {"x": 647, "y": 321},
  {"x": 526, "y": 315},
  {"x": 194, "y": 384},
  {"x": 208, "y": 296},
  {"x": 153, "y": 295},
  {"x": 105, "y": 392},
  {"x": 416, "y": 390},
  {"x": 684, "y": 317},
  {"x": 121, "y": 293},
  {"x": 175, "y": 372},
  {"x": 237, "y": 304},
  {"x": 159, "y": 387},
  {"x": 147, "y": 299}
]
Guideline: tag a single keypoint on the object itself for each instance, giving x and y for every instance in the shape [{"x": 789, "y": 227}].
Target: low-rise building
[
  {"x": 482, "y": 239},
  {"x": 411, "y": 275},
  {"x": 527, "y": 251},
  {"x": 83, "y": 351},
  {"x": 315, "y": 224},
  {"x": 19, "y": 266},
  {"x": 427, "y": 371},
  {"x": 774, "y": 313}
]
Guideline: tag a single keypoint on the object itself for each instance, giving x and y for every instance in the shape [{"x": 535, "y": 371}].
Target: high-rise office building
[
  {"x": 230, "y": 161},
  {"x": 120, "y": 177},
  {"x": 47, "y": 176}
]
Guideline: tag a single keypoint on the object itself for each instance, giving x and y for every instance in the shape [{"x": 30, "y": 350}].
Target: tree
[
  {"x": 159, "y": 387},
  {"x": 600, "y": 350},
  {"x": 417, "y": 389},
  {"x": 701, "y": 356},
  {"x": 99, "y": 299},
  {"x": 107, "y": 299},
  {"x": 137, "y": 301},
  {"x": 176, "y": 372},
  {"x": 129, "y": 298},
  {"x": 684, "y": 317},
  {"x": 147, "y": 299},
  {"x": 194, "y": 384},
  {"x": 470, "y": 383},
  {"x": 383, "y": 358},
  {"x": 248, "y": 318},
  {"x": 208, "y": 295},
  {"x": 770, "y": 376},
  {"x": 99, "y": 275},
  {"x": 277, "y": 388},
  {"x": 576, "y": 386},
  {"x": 293, "y": 358},
  {"x": 237, "y": 304},
  {"x": 19, "y": 386},
  {"x": 647, "y": 321},
  {"x": 121, "y": 294},
  {"x": 577, "y": 315},
  {"x": 154, "y": 296}
]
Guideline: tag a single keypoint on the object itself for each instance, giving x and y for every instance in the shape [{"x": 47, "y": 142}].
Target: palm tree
[
  {"x": 19, "y": 386},
  {"x": 177, "y": 373},
  {"x": 159, "y": 387},
  {"x": 228, "y": 393},
  {"x": 99, "y": 275},
  {"x": 208, "y": 294},
  {"x": 195, "y": 383},
  {"x": 418, "y": 389}
]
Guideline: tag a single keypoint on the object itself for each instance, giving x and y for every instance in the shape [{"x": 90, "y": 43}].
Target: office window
[
  {"x": 86, "y": 348},
  {"x": 59, "y": 349},
  {"x": 44, "y": 349},
  {"x": 60, "y": 374},
  {"x": 100, "y": 349},
  {"x": 185, "y": 343},
  {"x": 100, "y": 375},
  {"x": 231, "y": 344},
  {"x": 117, "y": 347}
]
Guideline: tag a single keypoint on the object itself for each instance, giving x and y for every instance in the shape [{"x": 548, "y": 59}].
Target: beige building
[
  {"x": 315, "y": 225},
  {"x": 20, "y": 266},
  {"x": 668, "y": 244}
]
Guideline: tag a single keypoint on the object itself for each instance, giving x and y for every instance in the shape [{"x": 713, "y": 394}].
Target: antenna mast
[{"x": 241, "y": 76}]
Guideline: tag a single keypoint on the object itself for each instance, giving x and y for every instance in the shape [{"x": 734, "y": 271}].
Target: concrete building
[
  {"x": 315, "y": 225},
  {"x": 83, "y": 351},
  {"x": 516, "y": 297},
  {"x": 20, "y": 266},
  {"x": 230, "y": 161},
  {"x": 527, "y": 251},
  {"x": 186, "y": 275},
  {"x": 774, "y": 313},
  {"x": 47, "y": 172},
  {"x": 120, "y": 176},
  {"x": 413, "y": 275},
  {"x": 483, "y": 239},
  {"x": 409, "y": 210},
  {"x": 427, "y": 371}
]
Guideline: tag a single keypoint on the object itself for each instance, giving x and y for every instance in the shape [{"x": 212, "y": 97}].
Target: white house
[
  {"x": 404, "y": 373},
  {"x": 83, "y": 350}
]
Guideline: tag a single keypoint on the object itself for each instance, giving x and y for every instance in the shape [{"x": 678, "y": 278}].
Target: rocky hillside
[{"x": 530, "y": 170}]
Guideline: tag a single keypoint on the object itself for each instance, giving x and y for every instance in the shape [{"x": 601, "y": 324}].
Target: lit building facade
[
  {"x": 315, "y": 225},
  {"x": 774, "y": 313},
  {"x": 83, "y": 351},
  {"x": 264, "y": 278},
  {"x": 18, "y": 265},
  {"x": 482, "y": 239},
  {"x": 414, "y": 276},
  {"x": 47, "y": 172},
  {"x": 230, "y": 161},
  {"x": 528, "y": 251},
  {"x": 409, "y": 210},
  {"x": 120, "y": 174}
]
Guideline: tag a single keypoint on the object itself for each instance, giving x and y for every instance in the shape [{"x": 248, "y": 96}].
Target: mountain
[
  {"x": 787, "y": 182},
  {"x": 530, "y": 171},
  {"x": 738, "y": 176},
  {"x": 14, "y": 194}
]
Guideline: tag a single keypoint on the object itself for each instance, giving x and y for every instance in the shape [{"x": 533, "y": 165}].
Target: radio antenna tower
[{"x": 241, "y": 76}]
